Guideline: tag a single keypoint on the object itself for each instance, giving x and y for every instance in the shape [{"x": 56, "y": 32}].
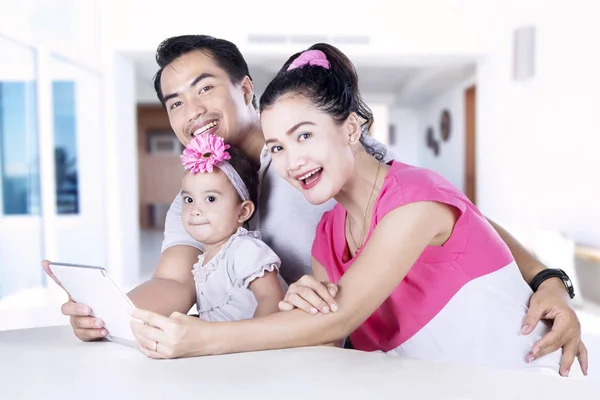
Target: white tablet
[{"x": 94, "y": 287}]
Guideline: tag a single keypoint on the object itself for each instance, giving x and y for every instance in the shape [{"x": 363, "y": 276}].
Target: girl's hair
[
  {"x": 333, "y": 90},
  {"x": 247, "y": 169}
]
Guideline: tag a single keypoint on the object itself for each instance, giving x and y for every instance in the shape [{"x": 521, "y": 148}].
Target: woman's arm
[
  {"x": 396, "y": 244},
  {"x": 268, "y": 293}
]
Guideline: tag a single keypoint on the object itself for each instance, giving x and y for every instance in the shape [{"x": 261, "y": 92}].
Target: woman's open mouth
[{"x": 309, "y": 179}]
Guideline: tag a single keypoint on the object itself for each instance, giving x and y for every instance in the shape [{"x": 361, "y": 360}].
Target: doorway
[{"x": 470, "y": 144}]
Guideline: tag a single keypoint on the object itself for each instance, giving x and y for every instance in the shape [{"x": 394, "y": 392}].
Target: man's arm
[
  {"x": 549, "y": 302},
  {"x": 171, "y": 288},
  {"x": 527, "y": 263}
]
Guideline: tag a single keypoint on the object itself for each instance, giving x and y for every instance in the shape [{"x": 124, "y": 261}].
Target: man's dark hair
[{"x": 225, "y": 54}]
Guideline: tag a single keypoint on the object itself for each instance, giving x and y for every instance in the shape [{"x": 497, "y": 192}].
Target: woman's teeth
[
  {"x": 309, "y": 174},
  {"x": 204, "y": 128}
]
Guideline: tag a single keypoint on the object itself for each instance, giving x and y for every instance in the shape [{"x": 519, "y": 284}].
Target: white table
[{"x": 50, "y": 363}]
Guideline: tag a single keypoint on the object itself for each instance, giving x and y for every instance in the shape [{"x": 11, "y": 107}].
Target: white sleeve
[
  {"x": 175, "y": 233},
  {"x": 252, "y": 259}
]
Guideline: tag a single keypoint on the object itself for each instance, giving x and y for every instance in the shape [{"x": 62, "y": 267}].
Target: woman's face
[{"x": 309, "y": 149}]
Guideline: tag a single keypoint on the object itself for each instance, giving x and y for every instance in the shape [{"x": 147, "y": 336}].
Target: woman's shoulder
[
  {"x": 407, "y": 175},
  {"x": 406, "y": 184}
]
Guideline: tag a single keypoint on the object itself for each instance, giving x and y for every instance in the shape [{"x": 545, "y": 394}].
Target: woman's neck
[{"x": 359, "y": 193}]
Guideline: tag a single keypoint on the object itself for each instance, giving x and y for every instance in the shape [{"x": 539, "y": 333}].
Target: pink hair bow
[
  {"x": 310, "y": 57},
  {"x": 204, "y": 152}
]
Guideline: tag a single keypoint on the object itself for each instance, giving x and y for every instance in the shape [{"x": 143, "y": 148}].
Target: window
[
  {"x": 19, "y": 161},
  {"x": 65, "y": 147}
]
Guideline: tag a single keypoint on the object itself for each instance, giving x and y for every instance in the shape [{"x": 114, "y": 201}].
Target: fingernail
[
  {"x": 313, "y": 310},
  {"x": 564, "y": 372},
  {"x": 87, "y": 310},
  {"x": 530, "y": 359},
  {"x": 99, "y": 323},
  {"x": 325, "y": 310},
  {"x": 332, "y": 292},
  {"x": 535, "y": 350},
  {"x": 524, "y": 329},
  {"x": 103, "y": 332},
  {"x": 334, "y": 307}
]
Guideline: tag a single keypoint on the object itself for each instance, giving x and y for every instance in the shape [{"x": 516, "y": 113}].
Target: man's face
[{"x": 200, "y": 98}]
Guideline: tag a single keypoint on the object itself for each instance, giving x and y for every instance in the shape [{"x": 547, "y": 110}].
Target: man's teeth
[
  {"x": 204, "y": 128},
  {"x": 309, "y": 174}
]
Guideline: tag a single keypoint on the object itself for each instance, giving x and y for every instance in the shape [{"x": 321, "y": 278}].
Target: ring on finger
[{"x": 155, "y": 346}]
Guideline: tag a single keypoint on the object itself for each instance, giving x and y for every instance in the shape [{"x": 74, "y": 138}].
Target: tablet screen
[{"x": 94, "y": 287}]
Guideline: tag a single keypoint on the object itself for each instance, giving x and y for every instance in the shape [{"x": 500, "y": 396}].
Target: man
[{"x": 205, "y": 86}]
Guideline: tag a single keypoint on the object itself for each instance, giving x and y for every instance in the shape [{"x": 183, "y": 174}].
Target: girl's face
[
  {"x": 212, "y": 210},
  {"x": 309, "y": 149}
]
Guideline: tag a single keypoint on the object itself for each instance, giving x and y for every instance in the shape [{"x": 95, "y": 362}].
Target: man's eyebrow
[{"x": 199, "y": 78}]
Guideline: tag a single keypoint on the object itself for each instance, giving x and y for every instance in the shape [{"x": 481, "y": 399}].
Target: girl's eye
[
  {"x": 303, "y": 136},
  {"x": 276, "y": 149},
  {"x": 188, "y": 200},
  {"x": 211, "y": 199}
]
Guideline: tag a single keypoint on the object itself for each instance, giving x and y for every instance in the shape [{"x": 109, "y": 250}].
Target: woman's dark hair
[
  {"x": 247, "y": 169},
  {"x": 334, "y": 90},
  {"x": 225, "y": 54}
]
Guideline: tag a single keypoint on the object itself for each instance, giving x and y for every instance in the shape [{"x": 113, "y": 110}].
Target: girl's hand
[
  {"x": 178, "y": 335},
  {"x": 311, "y": 296}
]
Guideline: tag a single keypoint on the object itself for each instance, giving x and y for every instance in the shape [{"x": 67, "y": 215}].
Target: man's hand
[
  {"x": 85, "y": 327},
  {"x": 550, "y": 303}
]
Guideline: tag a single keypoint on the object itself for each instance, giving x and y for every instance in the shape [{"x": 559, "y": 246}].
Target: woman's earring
[{"x": 352, "y": 138}]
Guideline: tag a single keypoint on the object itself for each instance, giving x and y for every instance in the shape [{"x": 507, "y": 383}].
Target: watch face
[{"x": 568, "y": 284}]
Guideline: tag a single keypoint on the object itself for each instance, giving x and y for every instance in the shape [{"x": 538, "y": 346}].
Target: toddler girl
[{"x": 237, "y": 275}]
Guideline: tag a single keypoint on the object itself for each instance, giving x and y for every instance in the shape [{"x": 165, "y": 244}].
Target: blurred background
[{"x": 501, "y": 97}]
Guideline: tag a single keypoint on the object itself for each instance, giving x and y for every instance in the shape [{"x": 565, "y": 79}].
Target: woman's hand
[
  {"x": 550, "y": 303},
  {"x": 311, "y": 296},
  {"x": 176, "y": 336}
]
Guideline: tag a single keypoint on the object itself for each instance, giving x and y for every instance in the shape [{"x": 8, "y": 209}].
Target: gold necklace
[{"x": 362, "y": 232}]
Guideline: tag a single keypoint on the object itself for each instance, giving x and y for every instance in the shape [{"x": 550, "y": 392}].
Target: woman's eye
[
  {"x": 303, "y": 136},
  {"x": 205, "y": 89},
  {"x": 276, "y": 149},
  {"x": 210, "y": 199}
]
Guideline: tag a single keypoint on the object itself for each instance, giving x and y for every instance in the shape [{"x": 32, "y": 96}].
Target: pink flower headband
[
  {"x": 310, "y": 57},
  {"x": 208, "y": 151}
]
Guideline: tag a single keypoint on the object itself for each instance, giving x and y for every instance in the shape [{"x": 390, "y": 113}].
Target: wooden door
[{"x": 470, "y": 144}]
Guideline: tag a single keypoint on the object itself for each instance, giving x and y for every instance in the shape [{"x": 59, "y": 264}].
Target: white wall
[
  {"x": 408, "y": 138},
  {"x": 121, "y": 177},
  {"x": 517, "y": 181},
  {"x": 392, "y": 28},
  {"x": 450, "y": 161},
  {"x": 538, "y": 141}
]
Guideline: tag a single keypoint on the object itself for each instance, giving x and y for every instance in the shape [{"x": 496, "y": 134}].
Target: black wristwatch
[{"x": 553, "y": 273}]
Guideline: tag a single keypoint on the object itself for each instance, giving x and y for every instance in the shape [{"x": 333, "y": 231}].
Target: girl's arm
[
  {"x": 268, "y": 293},
  {"x": 397, "y": 242}
]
